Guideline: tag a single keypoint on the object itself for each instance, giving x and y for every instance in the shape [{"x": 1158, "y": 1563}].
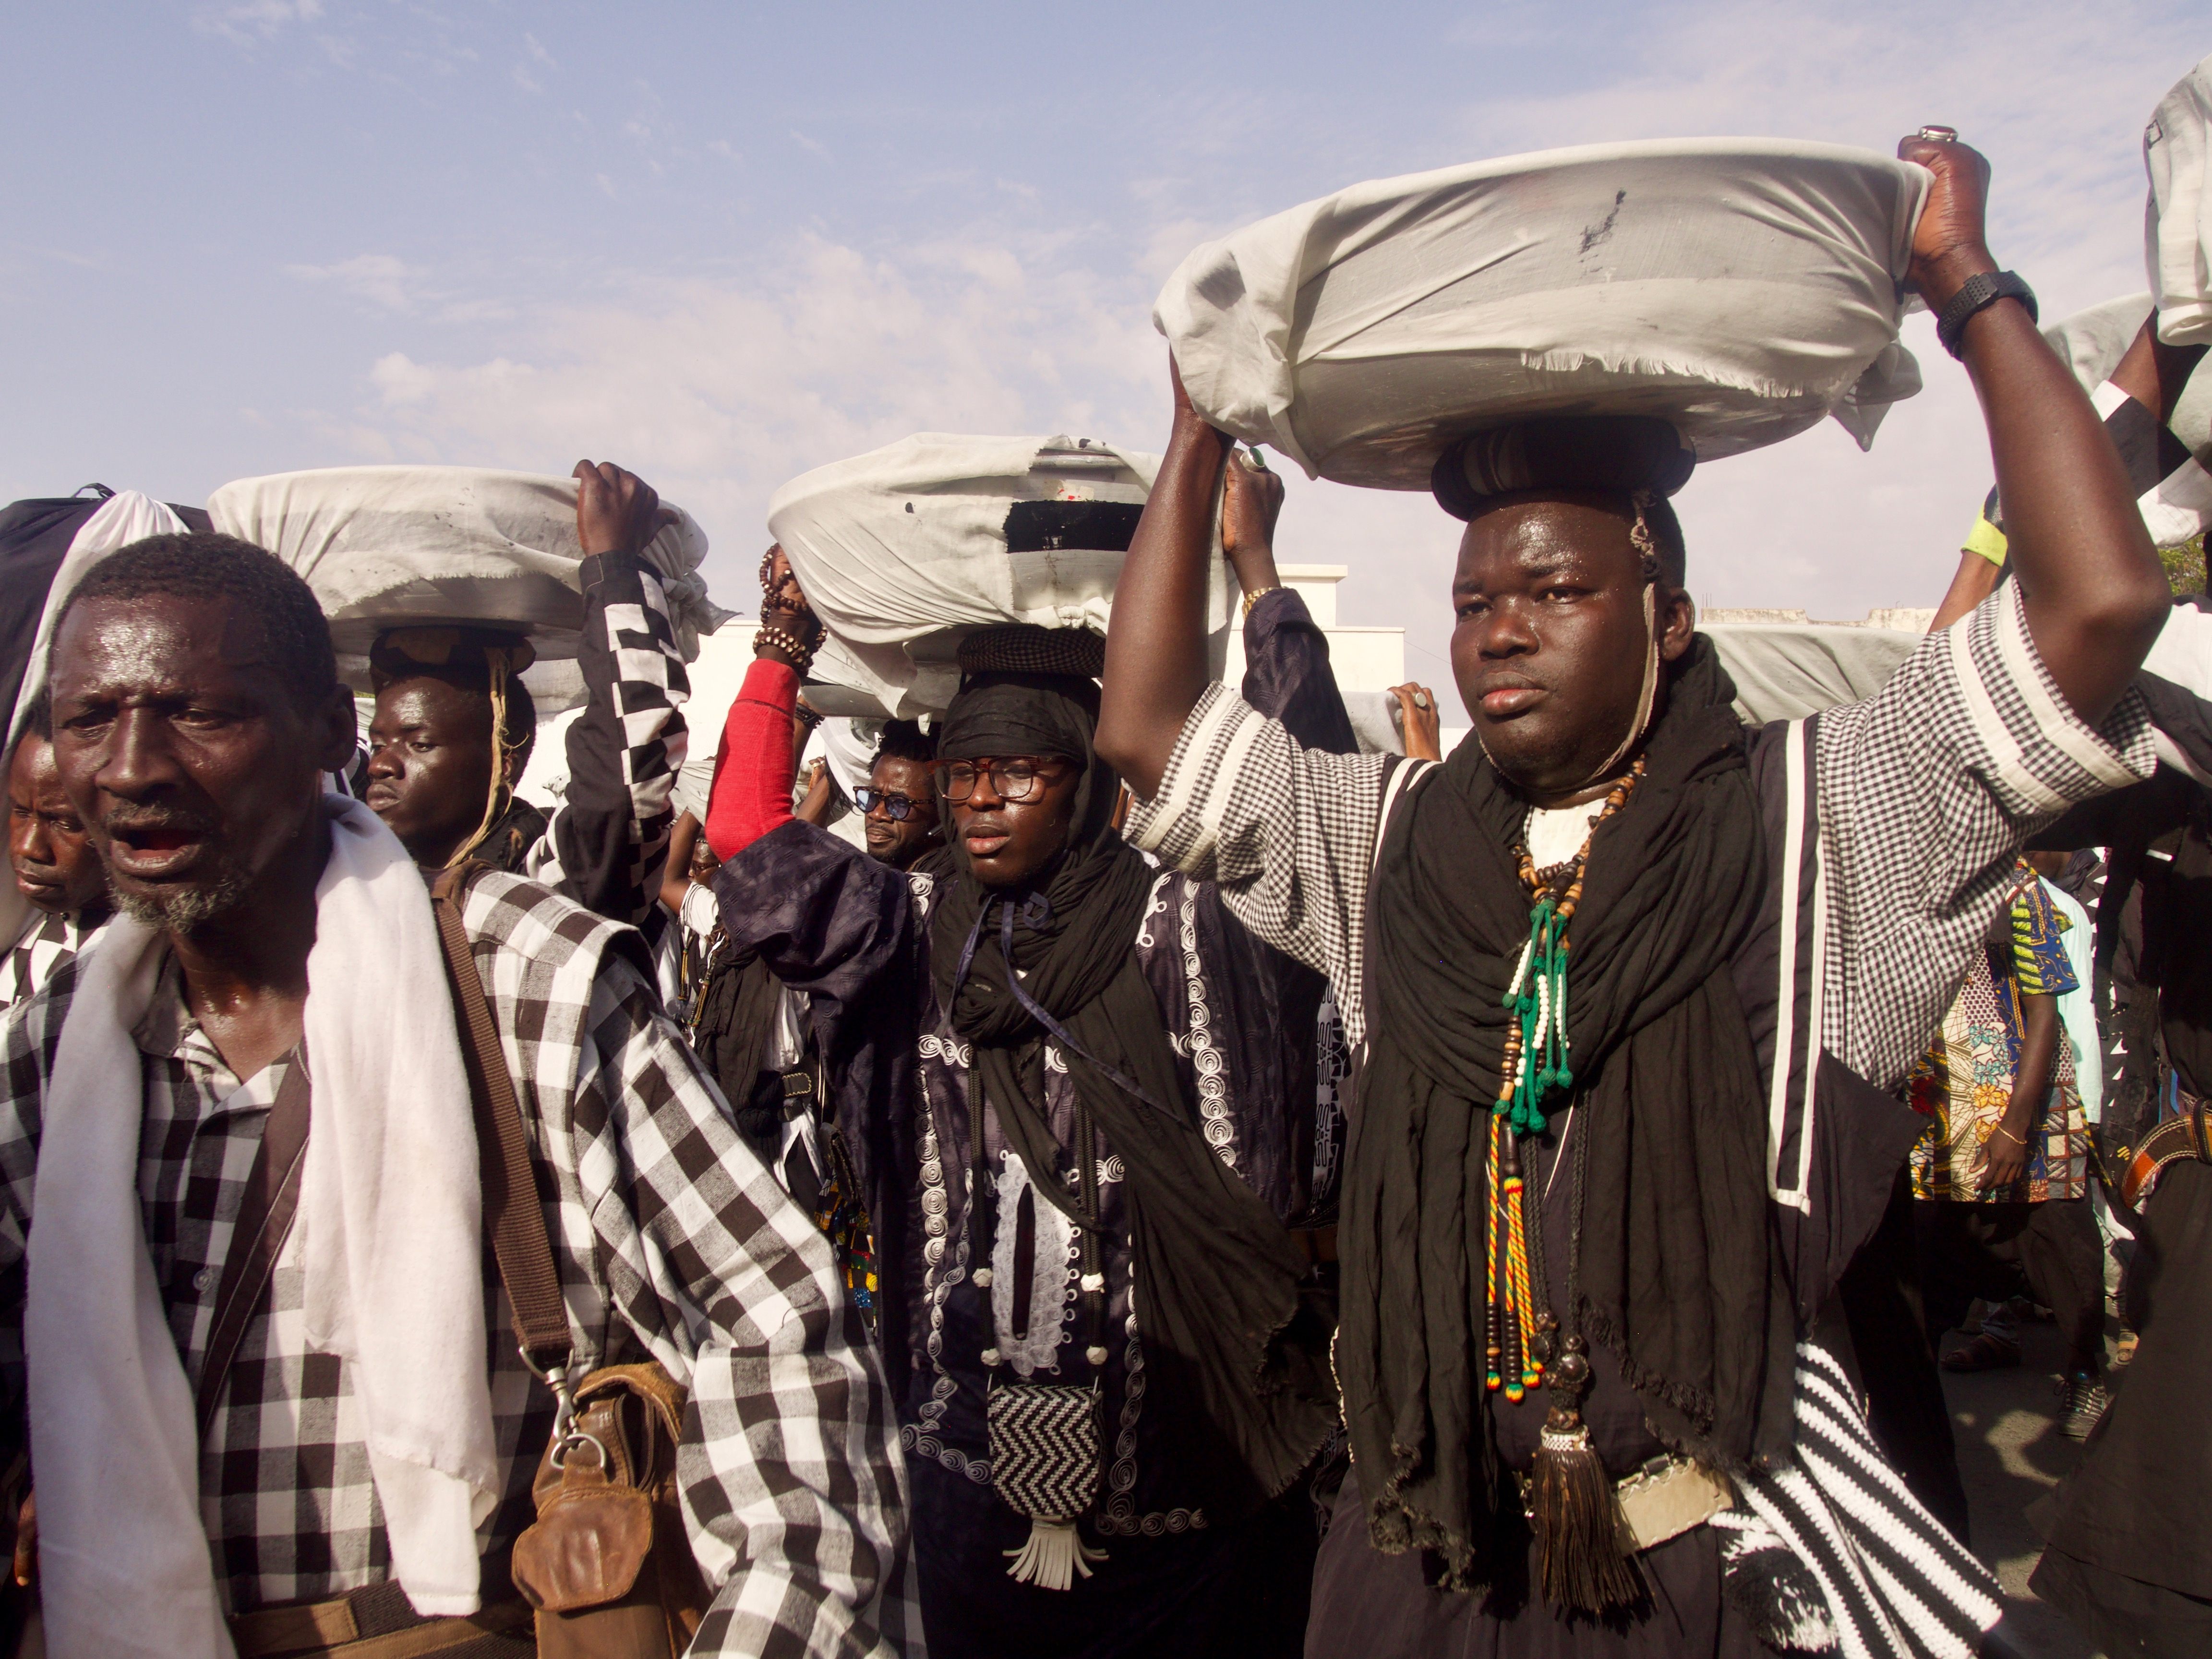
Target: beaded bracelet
[{"x": 801, "y": 655}]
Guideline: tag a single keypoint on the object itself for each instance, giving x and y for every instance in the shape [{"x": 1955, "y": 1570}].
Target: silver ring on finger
[
  {"x": 1936, "y": 135},
  {"x": 1420, "y": 700}
]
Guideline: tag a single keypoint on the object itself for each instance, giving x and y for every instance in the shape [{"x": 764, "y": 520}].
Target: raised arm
[
  {"x": 2092, "y": 591},
  {"x": 1286, "y": 672},
  {"x": 1156, "y": 647},
  {"x": 608, "y": 845},
  {"x": 751, "y": 792}
]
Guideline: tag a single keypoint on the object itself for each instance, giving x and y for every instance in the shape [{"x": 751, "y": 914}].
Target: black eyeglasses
[
  {"x": 1011, "y": 779},
  {"x": 898, "y": 808}
]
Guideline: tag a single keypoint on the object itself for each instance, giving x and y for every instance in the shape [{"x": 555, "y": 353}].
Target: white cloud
[
  {"x": 261, "y": 19},
  {"x": 720, "y": 391},
  {"x": 377, "y": 278}
]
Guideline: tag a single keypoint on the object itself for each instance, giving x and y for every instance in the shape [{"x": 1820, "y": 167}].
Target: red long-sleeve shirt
[{"x": 751, "y": 791}]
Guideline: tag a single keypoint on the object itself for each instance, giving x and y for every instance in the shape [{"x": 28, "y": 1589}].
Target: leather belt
[
  {"x": 376, "y": 1622},
  {"x": 2188, "y": 1135}
]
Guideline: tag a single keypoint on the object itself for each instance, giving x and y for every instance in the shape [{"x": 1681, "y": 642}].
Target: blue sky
[{"x": 722, "y": 244}]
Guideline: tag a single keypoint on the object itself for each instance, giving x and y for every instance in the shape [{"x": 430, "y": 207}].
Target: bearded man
[
  {"x": 253, "y": 1436},
  {"x": 1632, "y": 989}
]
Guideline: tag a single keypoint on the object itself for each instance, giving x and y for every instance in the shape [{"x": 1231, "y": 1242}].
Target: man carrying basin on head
[
  {"x": 1080, "y": 1095},
  {"x": 1629, "y": 989},
  {"x": 252, "y": 1145},
  {"x": 454, "y": 727}
]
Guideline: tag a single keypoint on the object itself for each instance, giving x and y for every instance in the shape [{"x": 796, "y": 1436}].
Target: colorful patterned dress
[{"x": 1965, "y": 1081}]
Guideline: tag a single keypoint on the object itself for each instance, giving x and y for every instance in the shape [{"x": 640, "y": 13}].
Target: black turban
[{"x": 1623, "y": 453}]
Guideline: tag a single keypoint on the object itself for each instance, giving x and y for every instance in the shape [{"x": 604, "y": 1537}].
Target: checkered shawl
[
  {"x": 1923, "y": 793},
  {"x": 673, "y": 1243}
]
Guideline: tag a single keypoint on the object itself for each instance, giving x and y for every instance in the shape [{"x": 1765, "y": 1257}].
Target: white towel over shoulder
[{"x": 390, "y": 1216}]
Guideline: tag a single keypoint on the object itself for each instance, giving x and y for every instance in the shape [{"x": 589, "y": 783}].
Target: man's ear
[
  {"x": 518, "y": 762},
  {"x": 1676, "y": 620},
  {"x": 336, "y": 726}
]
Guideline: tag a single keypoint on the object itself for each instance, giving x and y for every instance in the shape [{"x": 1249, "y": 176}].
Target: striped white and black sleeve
[
  {"x": 1286, "y": 831},
  {"x": 606, "y": 846},
  {"x": 1926, "y": 791}
]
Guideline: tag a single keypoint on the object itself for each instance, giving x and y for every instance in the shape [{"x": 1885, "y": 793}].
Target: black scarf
[
  {"x": 1240, "y": 1378},
  {"x": 1680, "y": 1274}
]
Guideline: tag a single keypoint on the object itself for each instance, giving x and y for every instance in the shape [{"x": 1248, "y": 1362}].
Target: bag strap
[
  {"x": 265, "y": 1215},
  {"x": 513, "y": 1213}
]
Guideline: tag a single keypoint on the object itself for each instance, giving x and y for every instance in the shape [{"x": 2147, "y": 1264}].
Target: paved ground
[{"x": 2011, "y": 1452}]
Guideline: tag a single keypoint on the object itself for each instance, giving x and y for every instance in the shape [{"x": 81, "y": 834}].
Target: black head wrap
[
  {"x": 1635, "y": 456},
  {"x": 1563, "y": 451},
  {"x": 1239, "y": 1375}
]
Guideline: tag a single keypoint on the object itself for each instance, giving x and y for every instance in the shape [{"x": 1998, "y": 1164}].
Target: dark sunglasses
[{"x": 898, "y": 808}]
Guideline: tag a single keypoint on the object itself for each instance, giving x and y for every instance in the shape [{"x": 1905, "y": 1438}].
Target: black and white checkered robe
[
  {"x": 48, "y": 940},
  {"x": 1892, "y": 826},
  {"x": 674, "y": 1243}
]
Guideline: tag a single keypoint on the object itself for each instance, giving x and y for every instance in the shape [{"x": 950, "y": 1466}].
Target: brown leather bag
[
  {"x": 608, "y": 1564},
  {"x": 608, "y": 1567}
]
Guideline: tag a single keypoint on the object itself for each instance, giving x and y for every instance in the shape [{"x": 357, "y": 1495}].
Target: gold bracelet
[
  {"x": 1259, "y": 593},
  {"x": 802, "y": 656}
]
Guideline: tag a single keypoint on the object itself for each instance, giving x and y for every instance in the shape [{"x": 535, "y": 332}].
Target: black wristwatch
[{"x": 1977, "y": 293}]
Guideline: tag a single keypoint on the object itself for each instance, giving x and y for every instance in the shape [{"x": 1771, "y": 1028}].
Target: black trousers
[
  {"x": 2049, "y": 1251},
  {"x": 1881, "y": 1298},
  {"x": 2131, "y": 1555},
  {"x": 1238, "y": 1591}
]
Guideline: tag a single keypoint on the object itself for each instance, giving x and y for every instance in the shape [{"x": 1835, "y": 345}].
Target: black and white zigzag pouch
[{"x": 1045, "y": 1465}]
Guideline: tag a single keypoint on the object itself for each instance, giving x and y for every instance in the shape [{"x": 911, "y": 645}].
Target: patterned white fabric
[{"x": 1894, "y": 1581}]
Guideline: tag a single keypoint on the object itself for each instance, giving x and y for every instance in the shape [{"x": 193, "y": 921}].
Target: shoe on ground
[
  {"x": 2083, "y": 1399},
  {"x": 1986, "y": 1353}
]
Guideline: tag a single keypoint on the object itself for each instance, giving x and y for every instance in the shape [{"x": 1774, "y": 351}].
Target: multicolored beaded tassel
[
  {"x": 1536, "y": 1071},
  {"x": 1516, "y": 1363}
]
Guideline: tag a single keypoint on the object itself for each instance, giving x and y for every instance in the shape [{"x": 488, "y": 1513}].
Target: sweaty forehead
[
  {"x": 432, "y": 700},
  {"x": 31, "y": 770},
  {"x": 1581, "y": 533},
  {"x": 157, "y": 643},
  {"x": 900, "y": 773}
]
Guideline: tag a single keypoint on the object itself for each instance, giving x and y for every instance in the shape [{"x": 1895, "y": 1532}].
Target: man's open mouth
[{"x": 152, "y": 851}]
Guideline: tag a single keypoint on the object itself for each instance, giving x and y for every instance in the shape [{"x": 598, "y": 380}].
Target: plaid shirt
[
  {"x": 1919, "y": 798},
  {"x": 47, "y": 942},
  {"x": 673, "y": 1244}
]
